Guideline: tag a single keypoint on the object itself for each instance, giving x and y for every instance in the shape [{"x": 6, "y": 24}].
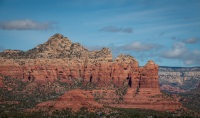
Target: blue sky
[{"x": 166, "y": 31}]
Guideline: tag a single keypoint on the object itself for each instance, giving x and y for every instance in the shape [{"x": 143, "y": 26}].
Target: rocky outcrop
[
  {"x": 147, "y": 92},
  {"x": 146, "y": 81},
  {"x": 75, "y": 100},
  {"x": 60, "y": 59},
  {"x": 59, "y": 47},
  {"x": 149, "y": 74}
]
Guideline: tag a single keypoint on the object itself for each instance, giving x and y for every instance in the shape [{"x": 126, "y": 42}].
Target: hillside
[{"x": 191, "y": 99}]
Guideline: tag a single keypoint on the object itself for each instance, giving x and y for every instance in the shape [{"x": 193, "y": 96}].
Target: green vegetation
[
  {"x": 142, "y": 113},
  {"x": 121, "y": 91},
  {"x": 18, "y": 95},
  {"x": 191, "y": 100},
  {"x": 84, "y": 113}
]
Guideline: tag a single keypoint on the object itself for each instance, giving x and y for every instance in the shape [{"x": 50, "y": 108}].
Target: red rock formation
[
  {"x": 146, "y": 93},
  {"x": 49, "y": 63},
  {"x": 48, "y": 70},
  {"x": 149, "y": 78},
  {"x": 74, "y": 99}
]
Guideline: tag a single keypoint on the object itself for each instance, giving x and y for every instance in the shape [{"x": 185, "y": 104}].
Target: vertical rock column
[{"x": 148, "y": 83}]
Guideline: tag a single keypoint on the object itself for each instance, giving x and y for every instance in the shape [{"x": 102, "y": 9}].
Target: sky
[{"x": 165, "y": 31}]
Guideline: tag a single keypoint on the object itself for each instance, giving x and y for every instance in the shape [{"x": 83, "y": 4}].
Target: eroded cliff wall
[{"x": 60, "y": 59}]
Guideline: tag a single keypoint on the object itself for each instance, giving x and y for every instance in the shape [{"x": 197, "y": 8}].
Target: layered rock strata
[{"x": 60, "y": 59}]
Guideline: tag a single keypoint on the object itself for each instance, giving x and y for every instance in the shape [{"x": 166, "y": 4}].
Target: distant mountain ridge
[
  {"x": 178, "y": 79},
  {"x": 177, "y": 67}
]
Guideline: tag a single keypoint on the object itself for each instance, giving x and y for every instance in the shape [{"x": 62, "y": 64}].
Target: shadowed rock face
[{"x": 61, "y": 59}]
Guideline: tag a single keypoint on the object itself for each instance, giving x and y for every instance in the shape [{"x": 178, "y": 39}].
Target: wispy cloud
[
  {"x": 157, "y": 15},
  {"x": 138, "y": 46},
  {"x": 141, "y": 50},
  {"x": 117, "y": 29},
  {"x": 179, "y": 51},
  {"x": 26, "y": 24},
  {"x": 192, "y": 57},
  {"x": 191, "y": 40}
]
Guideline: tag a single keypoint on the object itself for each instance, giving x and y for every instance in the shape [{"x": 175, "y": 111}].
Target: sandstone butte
[{"x": 61, "y": 59}]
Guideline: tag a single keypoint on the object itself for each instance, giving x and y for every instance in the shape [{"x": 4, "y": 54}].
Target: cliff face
[
  {"x": 60, "y": 59},
  {"x": 102, "y": 73},
  {"x": 179, "y": 79}
]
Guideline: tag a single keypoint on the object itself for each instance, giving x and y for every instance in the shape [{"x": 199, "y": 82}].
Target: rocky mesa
[{"x": 118, "y": 83}]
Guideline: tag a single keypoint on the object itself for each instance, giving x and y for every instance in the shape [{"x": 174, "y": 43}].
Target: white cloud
[
  {"x": 138, "y": 46},
  {"x": 177, "y": 51},
  {"x": 192, "y": 57},
  {"x": 25, "y": 24}
]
